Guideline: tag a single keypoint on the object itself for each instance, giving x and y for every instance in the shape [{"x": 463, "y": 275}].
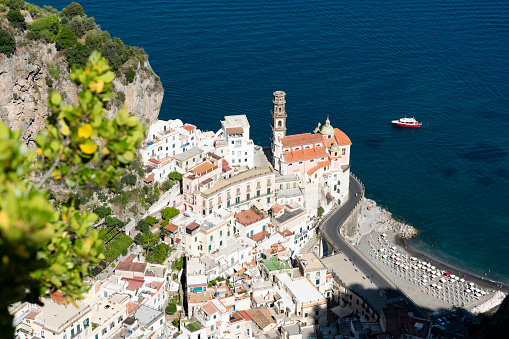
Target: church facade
[{"x": 321, "y": 157}]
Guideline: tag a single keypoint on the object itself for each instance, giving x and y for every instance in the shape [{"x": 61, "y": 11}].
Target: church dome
[
  {"x": 334, "y": 147},
  {"x": 327, "y": 129}
]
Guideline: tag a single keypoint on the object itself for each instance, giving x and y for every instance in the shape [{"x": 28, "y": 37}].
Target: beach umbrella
[
  {"x": 393, "y": 247},
  {"x": 462, "y": 280},
  {"x": 456, "y": 278},
  {"x": 447, "y": 273},
  {"x": 453, "y": 276},
  {"x": 471, "y": 283},
  {"x": 439, "y": 287},
  {"x": 433, "y": 267}
]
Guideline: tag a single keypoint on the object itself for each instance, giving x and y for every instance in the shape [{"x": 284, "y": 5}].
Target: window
[
  {"x": 268, "y": 182},
  {"x": 280, "y": 186},
  {"x": 120, "y": 319},
  {"x": 221, "y": 233},
  {"x": 317, "y": 281},
  {"x": 42, "y": 334},
  {"x": 238, "y": 191},
  {"x": 305, "y": 315},
  {"x": 343, "y": 151},
  {"x": 294, "y": 185},
  {"x": 211, "y": 237},
  {"x": 195, "y": 239},
  {"x": 248, "y": 196},
  {"x": 112, "y": 325},
  {"x": 86, "y": 323},
  {"x": 212, "y": 328},
  {"x": 105, "y": 330},
  {"x": 237, "y": 200},
  {"x": 268, "y": 190},
  {"x": 221, "y": 243},
  {"x": 258, "y": 193}
]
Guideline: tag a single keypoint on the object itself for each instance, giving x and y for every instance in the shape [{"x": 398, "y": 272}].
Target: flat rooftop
[
  {"x": 231, "y": 121},
  {"x": 310, "y": 262},
  {"x": 188, "y": 154},
  {"x": 301, "y": 289},
  {"x": 57, "y": 315}
]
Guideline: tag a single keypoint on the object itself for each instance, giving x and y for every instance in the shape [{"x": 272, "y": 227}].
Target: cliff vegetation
[{"x": 38, "y": 49}]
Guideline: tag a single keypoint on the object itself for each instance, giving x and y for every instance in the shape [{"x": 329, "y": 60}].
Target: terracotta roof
[
  {"x": 245, "y": 316},
  {"x": 58, "y": 297},
  {"x": 339, "y": 136},
  {"x": 130, "y": 258},
  {"x": 149, "y": 178},
  {"x": 203, "y": 168},
  {"x": 259, "y": 236},
  {"x": 261, "y": 316},
  {"x": 177, "y": 240},
  {"x": 235, "y": 130},
  {"x": 192, "y": 226},
  {"x": 305, "y": 154},
  {"x": 226, "y": 168},
  {"x": 131, "y": 307},
  {"x": 329, "y": 276},
  {"x": 276, "y": 208},
  {"x": 31, "y": 315},
  {"x": 209, "y": 308},
  {"x": 286, "y": 233},
  {"x": 170, "y": 227},
  {"x": 248, "y": 217},
  {"x": 313, "y": 170},
  {"x": 131, "y": 266},
  {"x": 134, "y": 284},
  {"x": 301, "y": 139},
  {"x": 154, "y": 161},
  {"x": 322, "y": 164},
  {"x": 188, "y": 128}
]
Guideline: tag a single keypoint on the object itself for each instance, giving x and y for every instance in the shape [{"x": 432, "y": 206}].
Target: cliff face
[{"x": 24, "y": 90}]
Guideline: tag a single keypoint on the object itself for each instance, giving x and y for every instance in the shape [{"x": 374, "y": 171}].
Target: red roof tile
[
  {"x": 188, "y": 128},
  {"x": 276, "y": 208},
  {"x": 154, "y": 161},
  {"x": 134, "y": 284},
  {"x": 192, "y": 226},
  {"x": 31, "y": 315},
  {"x": 286, "y": 233},
  {"x": 131, "y": 266},
  {"x": 149, "y": 178},
  {"x": 170, "y": 227},
  {"x": 301, "y": 139},
  {"x": 259, "y": 236},
  {"x": 248, "y": 217},
  {"x": 322, "y": 164},
  {"x": 131, "y": 307},
  {"x": 313, "y": 170}
]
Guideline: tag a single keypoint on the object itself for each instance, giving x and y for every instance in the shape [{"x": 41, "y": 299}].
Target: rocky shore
[{"x": 380, "y": 220}]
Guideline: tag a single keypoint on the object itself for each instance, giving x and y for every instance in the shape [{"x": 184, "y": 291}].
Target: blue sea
[{"x": 363, "y": 63}]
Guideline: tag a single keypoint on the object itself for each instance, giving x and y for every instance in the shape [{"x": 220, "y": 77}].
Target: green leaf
[
  {"x": 70, "y": 182},
  {"x": 121, "y": 117},
  {"x": 55, "y": 98}
]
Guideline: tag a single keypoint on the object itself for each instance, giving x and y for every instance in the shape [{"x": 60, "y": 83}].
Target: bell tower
[
  {"x": 278, "y": 128},
  {"x": 278, "y": 116}
]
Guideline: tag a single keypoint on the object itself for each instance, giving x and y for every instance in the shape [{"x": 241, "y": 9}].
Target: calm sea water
[{"x": 363, "y": 63}]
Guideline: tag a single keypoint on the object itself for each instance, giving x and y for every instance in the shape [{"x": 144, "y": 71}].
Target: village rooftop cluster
[{"x": 245, "y": 263}]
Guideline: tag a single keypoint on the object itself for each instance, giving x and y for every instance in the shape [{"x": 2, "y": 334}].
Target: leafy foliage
[
  {"x": 130, "y": 74},
  {"x": 167, "y": 185},
  {"x": 49, "y": 23},
  {"x": 169, "y": 213},
  {"x": 65, "y": 38},
  {"x": 16, "y": 4},
  {"x": 178, "y": 264},
  {"x": 44, "y": 249},
  {"x": 110, "y": 221},
  {"x": 77, "y": 55},
  {"x": 175, "y": 175},
  {"x": 138, "y": 239},
  {"x": 102, "y": 211},
  {"x": 171, "y": 308},
  {"x": 142, "y": 226},
  {"x": 117, "y": 246},
  {"x": 151, "y": 220},
  {"x": 72, "y": 10},
  {"x": 7, "y": 43},
  {"x": 16, "y": 19},
  {"x": 80, "y": 25},
  {"x": 320, "y": 211},
  {"x": 129, "y": 179}
]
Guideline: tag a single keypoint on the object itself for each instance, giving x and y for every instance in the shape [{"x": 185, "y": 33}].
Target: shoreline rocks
[{"x": 381, "y": 220}]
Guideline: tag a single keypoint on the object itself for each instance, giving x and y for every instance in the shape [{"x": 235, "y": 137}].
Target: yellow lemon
[
  {"x": 85, "y": 131},
  {"x": 105, "y": 151},
  {"x": 88, "y": 147},
  {"x": 96, "y": 86},
  {"x": 39, "y": 151},
  {"x": 65, "y": 130}
]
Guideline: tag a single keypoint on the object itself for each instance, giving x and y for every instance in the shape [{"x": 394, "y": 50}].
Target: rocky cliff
[{"x": 24, "y": 88}]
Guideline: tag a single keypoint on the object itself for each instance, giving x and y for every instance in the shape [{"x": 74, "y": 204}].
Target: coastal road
[{"x": 330, "y": 228}]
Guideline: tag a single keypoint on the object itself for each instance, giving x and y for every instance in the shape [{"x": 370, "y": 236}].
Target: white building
[{"x": 235, "y": 136}]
